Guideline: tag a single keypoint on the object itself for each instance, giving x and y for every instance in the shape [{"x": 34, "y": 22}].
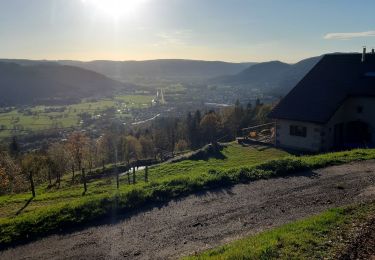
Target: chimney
[
  {"x": 373, "y": 51},
  {"x": 364, "y": 54}
]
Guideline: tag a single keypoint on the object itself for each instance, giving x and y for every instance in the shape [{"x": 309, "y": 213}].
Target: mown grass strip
[
  {"x": 53, "y": 218},
  {"x": 312, "y": 238}
]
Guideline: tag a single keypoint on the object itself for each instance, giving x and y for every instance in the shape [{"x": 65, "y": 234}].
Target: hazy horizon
[{"x": 235, "y": 31}]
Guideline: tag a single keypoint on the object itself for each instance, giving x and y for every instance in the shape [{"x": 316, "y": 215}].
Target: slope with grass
[
  {"x": 232, "y": 156},
  {"x": 54, "y": 209},
  {"x": 207, "y": 219},
  {"x": 319, "y": 237}
]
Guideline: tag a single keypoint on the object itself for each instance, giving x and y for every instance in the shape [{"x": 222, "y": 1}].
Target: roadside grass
[
  {"x": 234, "y": 155},
  {"x": 318, "y": 237},
  {"x": 55, "y": 209}
]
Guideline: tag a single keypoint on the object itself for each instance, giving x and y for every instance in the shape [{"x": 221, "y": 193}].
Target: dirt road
[{"x": 209, "y": 219}]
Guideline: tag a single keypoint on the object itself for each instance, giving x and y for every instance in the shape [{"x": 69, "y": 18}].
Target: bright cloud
[
  {"x": 177, "y": 37},
  {"x": 349, "y": 35}
]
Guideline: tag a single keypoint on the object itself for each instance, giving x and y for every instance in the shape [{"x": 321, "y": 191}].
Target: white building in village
[{"x": 332, "y": 107}]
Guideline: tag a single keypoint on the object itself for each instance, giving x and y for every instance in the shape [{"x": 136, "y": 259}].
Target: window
[{"x": 296, "y": 130}]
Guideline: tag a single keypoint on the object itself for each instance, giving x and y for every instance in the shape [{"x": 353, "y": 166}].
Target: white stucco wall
[
  {"x": 321, "y": 137},
  {"x": 312, "y": 141},
  {"x": 347, "y": 113}
]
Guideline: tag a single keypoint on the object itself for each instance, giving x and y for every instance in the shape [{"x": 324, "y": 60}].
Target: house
[{"x": 332, "y": 107}]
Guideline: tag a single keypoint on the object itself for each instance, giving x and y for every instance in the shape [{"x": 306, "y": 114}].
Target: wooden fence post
[
  {"x": 146, "y": 173},
  {"x": 73, "y": 173},
  {"x": 128, "y": 173},
  {"x": 133, "y": 174},
  {"x": 84, "y": 180},
  {"x": 117, "y": 177},
  {"x": 32, "y": 184}
]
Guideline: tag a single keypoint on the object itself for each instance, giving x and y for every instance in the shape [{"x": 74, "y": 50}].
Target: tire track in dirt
[{"x": 209, "y": 219}]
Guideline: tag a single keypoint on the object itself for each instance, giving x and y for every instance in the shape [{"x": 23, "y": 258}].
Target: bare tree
[
  {"x": 211, "y": 125},
  {"x": 10, "y": 178},
  {"x": 31, "y": 165},
  {"x": 91, "y": 154},
  {"x": 58, "y": 159},
  {"x": 76, "y": 146},
  {"x": 105, "y": 149},
  {"x": 84, "y": 180}
]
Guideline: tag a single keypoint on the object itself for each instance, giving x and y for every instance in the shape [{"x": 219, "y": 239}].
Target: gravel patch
[{"x": 205, "y": 220}]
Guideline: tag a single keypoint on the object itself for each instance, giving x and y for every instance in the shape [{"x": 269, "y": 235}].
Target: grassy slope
[
  {"x": 317, "y": 237},
  {"x": 54, "y": 209},
  {"x": 235, "y": 156}
]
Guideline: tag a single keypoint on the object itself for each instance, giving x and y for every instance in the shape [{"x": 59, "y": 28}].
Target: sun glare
[{"x": 117, "y": 8}]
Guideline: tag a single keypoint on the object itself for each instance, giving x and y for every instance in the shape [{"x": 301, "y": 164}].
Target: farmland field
[{"x": 46, "y": 117}]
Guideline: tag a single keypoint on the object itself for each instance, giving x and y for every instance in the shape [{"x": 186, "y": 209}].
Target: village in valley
[{"x": 249, "y": 145}]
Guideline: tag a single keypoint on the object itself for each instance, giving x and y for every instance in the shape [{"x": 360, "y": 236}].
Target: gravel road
[{"x": 209, "y": 219}]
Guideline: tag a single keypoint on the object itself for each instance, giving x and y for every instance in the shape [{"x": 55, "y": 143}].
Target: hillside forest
[{"x": 82, "y": 153}]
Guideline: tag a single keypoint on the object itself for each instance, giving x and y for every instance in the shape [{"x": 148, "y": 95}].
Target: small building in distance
[
  {"x": 159, "y": 99},
  {"x": 332, "y": 107}
]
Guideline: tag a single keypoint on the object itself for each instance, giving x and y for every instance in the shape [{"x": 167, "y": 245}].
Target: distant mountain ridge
[
  {"x": 25, "y": 81},
  {"x": 163, "y": 70},
  {"x": 29, "y": 84},
  {"x": 275, "y": 76}
]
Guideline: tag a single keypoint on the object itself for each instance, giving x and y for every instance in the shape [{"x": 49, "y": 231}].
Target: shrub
[{"x": 55, "y": 217}]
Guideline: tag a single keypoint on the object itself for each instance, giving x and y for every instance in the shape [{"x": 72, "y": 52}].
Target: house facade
[{"x": 332, "y": 107}]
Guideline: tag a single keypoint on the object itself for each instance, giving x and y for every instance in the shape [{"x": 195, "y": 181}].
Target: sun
[{"x": 117, "y": 8}]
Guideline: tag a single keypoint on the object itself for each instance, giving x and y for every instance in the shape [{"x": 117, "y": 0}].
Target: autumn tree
[
  {"x": 91, "y": 154},
  {"x": 14, "y": 148},
  {"x": 181, "y": 146},
  {"x": 4, "y": 181},
  {"x": 238, "y": 115},
  {"x": 210, "y": 125},
  {"x": 31, "y": 165},
  {"x": 133, "y": 149},
  {"x": 76, "y": 146},
  {"x": 261, "y": 113},
  {"x": 105, "y": 149},
  {"x": 193, "y": 129},
  {"x": 148, "y": 147},
  {"x": 10, "y": 175},
  {"x": 58, "y": 160}
]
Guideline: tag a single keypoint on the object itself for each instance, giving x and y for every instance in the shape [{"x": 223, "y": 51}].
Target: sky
[{"x": 228, "y": 30}]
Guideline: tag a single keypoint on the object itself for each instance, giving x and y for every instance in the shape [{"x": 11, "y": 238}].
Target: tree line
[{"x": 81, "y": 153}]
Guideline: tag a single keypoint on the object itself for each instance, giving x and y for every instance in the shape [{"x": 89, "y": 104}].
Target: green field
[
  {"x": 39, "y": 118},
  {"x": 54, "y": 208},
  {"x": 317, "y": 237},
  {"x": 235, "y": 155}
]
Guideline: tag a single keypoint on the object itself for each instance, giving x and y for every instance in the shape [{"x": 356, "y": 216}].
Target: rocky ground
[
  {"x": 209, "y": 219},
  {"x": 361, "y": 244}
]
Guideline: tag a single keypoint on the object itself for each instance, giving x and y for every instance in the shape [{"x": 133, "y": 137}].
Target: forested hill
[
  {"x": 35, "y": 83},
  {"x": 274, "y": 76},
  {"x": 165, "y": 70}
]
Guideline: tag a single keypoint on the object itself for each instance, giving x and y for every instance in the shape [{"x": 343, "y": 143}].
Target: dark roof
[{"x": 321, "y": 92}]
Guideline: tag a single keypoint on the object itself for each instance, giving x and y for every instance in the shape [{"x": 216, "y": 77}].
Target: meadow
[
  {"x": 22, "y": 217},
  {"x": 39, "y": 118}
]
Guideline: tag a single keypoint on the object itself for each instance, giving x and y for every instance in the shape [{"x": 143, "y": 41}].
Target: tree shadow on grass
[
  {"x": 118, "y": 215},
  {"x": 311, "y": 174},
  {"x": 24, "y": 206}
]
